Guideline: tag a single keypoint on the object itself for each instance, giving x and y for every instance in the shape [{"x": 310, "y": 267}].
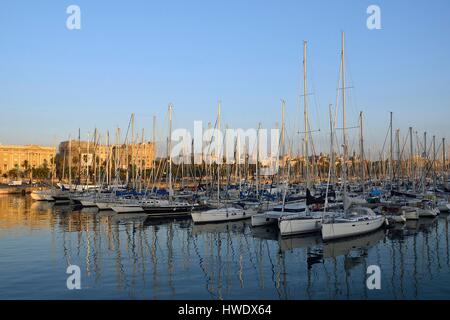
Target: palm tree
[{"x": 26, "y": 166}]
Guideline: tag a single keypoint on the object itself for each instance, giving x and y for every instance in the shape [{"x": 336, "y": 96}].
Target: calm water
[{"x": 128, "y": 257}]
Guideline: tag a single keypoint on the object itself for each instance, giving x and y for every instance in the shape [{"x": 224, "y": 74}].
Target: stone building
[
  {"x": 141, "y": 154},
  {"x": 32, "y": 156}
]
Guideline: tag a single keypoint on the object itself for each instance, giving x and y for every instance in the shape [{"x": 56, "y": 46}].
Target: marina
[
  {"x": 340, "y": 197},
  {"x": 224, "y": 152},
  {"x": 127, "y": 256},
  {"x": 233, "y": 225}
]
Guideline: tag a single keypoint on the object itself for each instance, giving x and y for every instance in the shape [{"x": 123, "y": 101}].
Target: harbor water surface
[{"x": 133, "y": 257}]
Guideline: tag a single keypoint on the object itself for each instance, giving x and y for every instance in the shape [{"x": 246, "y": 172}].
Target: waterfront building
[
  {"x": 24, "y": 157},
  {"x": 139, "y": 154}
]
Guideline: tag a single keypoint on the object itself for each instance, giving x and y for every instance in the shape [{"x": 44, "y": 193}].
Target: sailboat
[
  {"x": 427, "y": 210},
  {"x": 304, "y": 222},
  {"x": 132, "y": 207},
  {"x": 357, "y": 220},
  {"x": 443, "y": 205},
  {"x": 410, "y": 213},
  {"x": 42, "y": 195},
  {"x": 272, "y": 217},
  {"x": 54, "y": 194},
  {"x": 230, "y": 212},
  {"x": 354, "y": 220},
  {"x": 226, "y": 212}
]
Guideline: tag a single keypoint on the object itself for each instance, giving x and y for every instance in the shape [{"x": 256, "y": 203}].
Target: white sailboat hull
[
  {"x": 397, "y": 218},
  {"x": 352, "y": 228},
  {"x": 41, "y": 196},
  {"x": 221, "y": 215},
  {"x": 427, "y": 213},
  {"x": 127, "y": 209},
  {"x": 444, "y": 207},
  {"x": 299, "y": 226},
  {"x": 268, "y": 218},
  {"x": 88, "y": 203},
  {"x": 103, "y": 205},
  {"x": 411, "y": 214}
]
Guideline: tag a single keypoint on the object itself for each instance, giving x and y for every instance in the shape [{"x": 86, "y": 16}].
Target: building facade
[
  {"x": 92, "y": 155},
  {"x": 25, "y": 157}
]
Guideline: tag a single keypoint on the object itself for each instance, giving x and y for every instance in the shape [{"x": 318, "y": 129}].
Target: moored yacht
[
  {"x": 356, "y": 221},
  {"x": 42, "y": 195},
  {"x": 426, "y": 210},
  {"x": 306, "y": 222},
  {"x": 273, "y": 216},
  {"x": 410, "y": 213},
  {"x": 222, "y": 214}
]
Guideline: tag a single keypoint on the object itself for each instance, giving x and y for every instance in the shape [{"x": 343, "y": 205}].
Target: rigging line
[
  {"x": 316, "y": 104},
  {"x": 128, "y": 130},
  {"x": 336, "y": 105},
  {"x": 311, "y": 139},
  {"x": 385, "y": 140},
  {"x": 341, "y": 88},
  {"x": 395, "y": 173},
  {"x": 354, "y": 127},
  {"x": 212, "y": 136},
  {"x": 309, "y": 131},
  {"x": 353, "y": 93}
]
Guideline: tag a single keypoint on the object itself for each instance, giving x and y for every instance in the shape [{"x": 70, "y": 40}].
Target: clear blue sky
[{"x": 137, "y": 56}]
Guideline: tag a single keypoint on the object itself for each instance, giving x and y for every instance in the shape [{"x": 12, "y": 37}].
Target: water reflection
[{"x": 133, "y": 257}]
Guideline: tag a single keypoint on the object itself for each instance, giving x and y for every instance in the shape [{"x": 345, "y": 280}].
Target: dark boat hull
[{"x": 61, "y": 198}]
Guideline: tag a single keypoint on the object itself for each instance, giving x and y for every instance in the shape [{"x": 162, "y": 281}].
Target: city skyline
[{"x": 143, "y": 57}]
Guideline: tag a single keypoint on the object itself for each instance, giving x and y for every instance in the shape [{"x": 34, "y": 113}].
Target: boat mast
[
  {"x": 283, "y": 129},
  {"x": 444, "y": 178},
  {"x": 87, "y": 160},
  {"x": 64, "y": 166},
  {"x": 209, "y": 164},
  {"x": 424, "y": 170},
  {"x": 257, "y": 161},
  {"x": 116, "y": 157},
  {"x": 434, "y": 164},
  {"x": 108, "y": 163},
  {"x": 79, "y": 156},
  {"x": 332, "y": 160},
  {"x": 399, "y": 164},
  {"x": 344, "y": 130},
  {"x": 70, "y": 163},
  {"x": 98, "y": 167},
  {"x": 411, "y": 160},
  {"x": 238, "y": 160},
  {"x": 154, "y": 151},
  {"x": 361, "y": 145},
  {"x": 305, "y": 115},
  {"x": 132, "y": 152},
  {"x": 331, "y": 163},
  {"x": 218, "y": 153},
  {"x": 94, "y": 163},
  {"x": 194, "y": 178},
  {"x": 391, "y": 150},
  {"x": 169, "y": 153}
]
